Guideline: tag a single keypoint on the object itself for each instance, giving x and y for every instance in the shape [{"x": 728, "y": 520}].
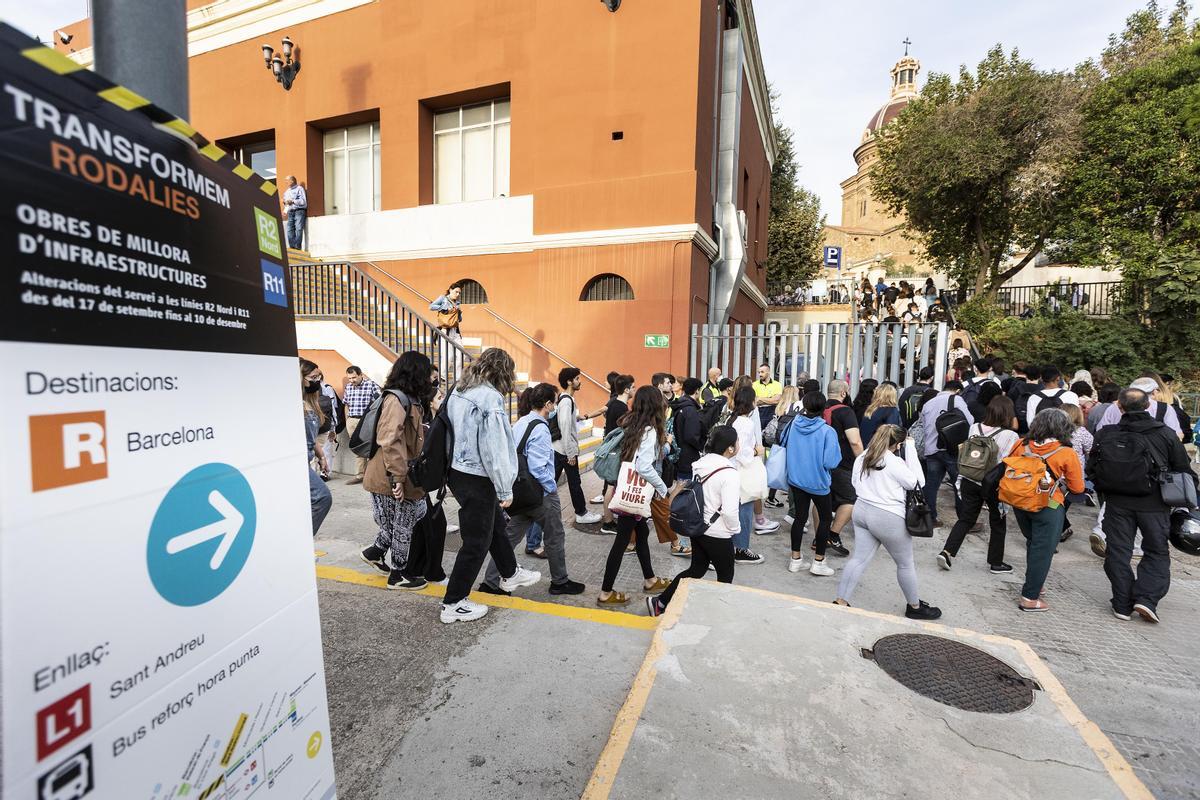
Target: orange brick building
[{"x": 595, "y": 176}]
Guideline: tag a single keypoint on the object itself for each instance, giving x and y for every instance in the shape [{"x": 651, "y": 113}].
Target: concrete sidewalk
[{"x": 752, "y": 694}]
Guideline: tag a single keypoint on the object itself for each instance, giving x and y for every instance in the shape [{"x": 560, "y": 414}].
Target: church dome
[{"x": 904, "y": 89}]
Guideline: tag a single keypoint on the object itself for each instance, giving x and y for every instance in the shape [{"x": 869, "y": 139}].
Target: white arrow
[{"x": 228, "y": 527}]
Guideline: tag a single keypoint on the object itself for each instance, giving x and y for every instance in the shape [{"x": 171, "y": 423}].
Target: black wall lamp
[{"x": 285, "y": 69}]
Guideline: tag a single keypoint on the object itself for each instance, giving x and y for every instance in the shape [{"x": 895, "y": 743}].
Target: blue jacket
[
  {"x": 812, "y": 452},
  {"x": 483, "y": 437},
  {"x": 539, "y": 455}
]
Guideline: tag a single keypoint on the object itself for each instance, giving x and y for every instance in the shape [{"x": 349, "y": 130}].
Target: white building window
[
  {"x": 470, "y": 152},
  {"x": 352, "y": 169}
]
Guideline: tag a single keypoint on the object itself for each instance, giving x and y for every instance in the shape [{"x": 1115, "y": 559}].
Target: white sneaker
[
  {"x": 788, "y": 519},
  {"x": 590, "y": 518},
  {"x": 442, "y": 582},
  {"x": 765, "y": 526},
  {"x": 522, "y": 577},
  {"x": 452, "y": 528},
  {"x": 463, "y": 611},
  {"x": 597, "y": 500},
  {"x": 797, "y": 564},
  {"x": 1137, "y": 552},
  {"x": 821, "y": 568}
]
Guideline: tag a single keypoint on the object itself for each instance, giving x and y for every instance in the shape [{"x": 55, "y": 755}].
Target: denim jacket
[
  {"x": 483, "y": 437},
  {"x": 648, "y": 461}
]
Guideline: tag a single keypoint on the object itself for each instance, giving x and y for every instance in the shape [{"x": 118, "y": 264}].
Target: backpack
[
  {"x": 552, "y": 421},
  {"x": 977, "y": 455},
  {"x": 528, "y": 493},
  {"x": 711, "y": 413},
  {"x": 607, "y": 463},
  {"x": 771, "y": 432},
  {"x": 970, "y": 394},
  {"x": 952, "y": 428},
  {"x": 363, "y": 442},
  {"x": 1122, "y": 463},
  {"x": 910, "y": 405},
  {"x": 1024, "y": 484},
  {"x": 687, "y": 507},
  {"x": 429, "y": 470},
  {"x": 1020, "y": 398},
  {"x": 1048, "y": 400}
]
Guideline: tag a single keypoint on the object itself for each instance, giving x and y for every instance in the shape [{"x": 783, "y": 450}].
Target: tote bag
[
  {"x": 777, "y": 468},
  {"x": 754, "y": 481},
  {"x": 633, "y": 493}
]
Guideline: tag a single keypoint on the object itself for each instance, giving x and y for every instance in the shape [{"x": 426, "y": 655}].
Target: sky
[{"x": 831, "y": 61}]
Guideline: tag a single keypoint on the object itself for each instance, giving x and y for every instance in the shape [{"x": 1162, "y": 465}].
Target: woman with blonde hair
[
  {"x": 882, "y": 475},
  {"x": 789, "y": 402},
  {"x": 319, "y": 495},
  {"x": 882, "y": 410}
]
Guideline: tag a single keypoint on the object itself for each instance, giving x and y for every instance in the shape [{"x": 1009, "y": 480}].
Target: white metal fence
[{"x": 824, "y": 351}]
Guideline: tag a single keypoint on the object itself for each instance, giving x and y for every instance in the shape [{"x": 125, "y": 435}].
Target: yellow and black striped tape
[{"x": 129, "y": 100}]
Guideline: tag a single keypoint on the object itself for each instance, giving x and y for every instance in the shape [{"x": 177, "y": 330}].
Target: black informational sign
[
  {"x": 159, "y": 629},
  {"x": 118, "y": 230}
]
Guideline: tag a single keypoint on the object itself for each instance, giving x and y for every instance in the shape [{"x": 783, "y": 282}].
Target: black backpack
[
  {"x": 429, "y": 470},
  {"x": 528, "y": 493},
  {"x": 952, "y": 428},
  {"x": 1020, "y": 397},
  {"x": 363, "y": 442},
  {"x": 552, "y": 421},
  {"x": 970, "y": 394},
  {"x": 1122, "y": 463},
  {"x": 711, "y": 413},
  {"x": 687, "y": 507},
  {"x": 1049, "y": 400}
]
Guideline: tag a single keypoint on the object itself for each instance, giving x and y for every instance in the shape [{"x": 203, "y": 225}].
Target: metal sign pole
[{"x": 143, "y": 46}]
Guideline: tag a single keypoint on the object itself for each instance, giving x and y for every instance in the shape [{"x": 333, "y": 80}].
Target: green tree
[
  {"x": 795, "y": 225},
  {"x": 977, "y": 164}
]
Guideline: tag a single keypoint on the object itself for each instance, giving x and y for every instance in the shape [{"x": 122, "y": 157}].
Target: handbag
[
  {"x": 1178, "y": 489},
  {"x": 633, "y": 493},
  {"x": 777, "y": 468},
  {"x": 918, "y": 519},
  {"x": 754, "y": 481},
  {"x": 448, "y": 320},
  {"x": 528, "y": 494}
]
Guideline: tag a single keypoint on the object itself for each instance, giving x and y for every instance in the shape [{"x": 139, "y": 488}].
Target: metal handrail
[
  {"x": 342, "y": 290},
  {"x": 497, "y": 317}
]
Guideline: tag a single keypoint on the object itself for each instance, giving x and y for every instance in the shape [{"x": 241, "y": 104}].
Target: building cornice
[
  {"x": 690, "y": 232},
  {"x": 753, "y": 292},
  {"x": 756, "y": 79}
]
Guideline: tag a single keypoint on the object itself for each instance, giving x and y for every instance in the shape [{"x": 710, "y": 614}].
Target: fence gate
[{"x": 850, "y": 351}]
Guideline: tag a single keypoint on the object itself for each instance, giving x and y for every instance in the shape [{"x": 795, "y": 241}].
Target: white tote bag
[
  {"x": 754, "y": 481},
  {"x": 633, "y": 493}
]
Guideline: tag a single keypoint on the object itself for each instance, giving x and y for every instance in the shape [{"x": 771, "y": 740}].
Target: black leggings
[
  {"x": 705, "y": 550},
  {"x": 625, "y": 526},
  {"x": 824, "y": 505}
]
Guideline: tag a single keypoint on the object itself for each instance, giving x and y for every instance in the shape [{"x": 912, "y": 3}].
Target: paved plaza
[{"x": 522, "y": 702}]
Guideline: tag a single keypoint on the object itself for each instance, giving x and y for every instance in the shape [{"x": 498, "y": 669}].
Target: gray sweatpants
[
  {"x": 554, "y": 539},
  {"x": 872, "y": 527}
]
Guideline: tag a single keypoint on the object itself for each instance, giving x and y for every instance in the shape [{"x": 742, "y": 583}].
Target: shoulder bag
[{"x": 918, "y": 520}]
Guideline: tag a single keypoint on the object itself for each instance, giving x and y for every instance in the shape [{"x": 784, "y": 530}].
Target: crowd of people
[{"x": 700, "y": 461}]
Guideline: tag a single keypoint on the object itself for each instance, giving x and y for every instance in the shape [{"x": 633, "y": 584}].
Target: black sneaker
[
  {"x": 836, "y": 547},
  {"x": 609, "y": 527},
  {"x": 1067, "y": 534},
  {"x": 741, "y": 556},
  {"x": 376, "y": 557},
  {"x": 567, "y": 587},
  {"x": 489, "y": 589},
  {"x": 396, "y": 580},
  {"x": 771, "y": 502},
  {"x": 922, "y": 611},
  {"x": 1000, "y": 569},
  {"x": 944, "y": 560}
]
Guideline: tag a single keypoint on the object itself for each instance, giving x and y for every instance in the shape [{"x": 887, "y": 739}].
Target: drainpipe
[{"x": 731, "y": 259}]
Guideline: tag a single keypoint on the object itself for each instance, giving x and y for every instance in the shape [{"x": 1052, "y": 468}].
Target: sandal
[
  {"x": 630, "y": 550},
  {"x": 681, "y": 551},
  {"x": 614, "y": 599},
  {"x": 539, "y": 553},
  {"x": 1032, "y": 605},
  {"x": 659, "y": 585}
]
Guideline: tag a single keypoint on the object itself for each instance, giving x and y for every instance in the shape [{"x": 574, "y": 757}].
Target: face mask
[{"x": 309, "y": 388}]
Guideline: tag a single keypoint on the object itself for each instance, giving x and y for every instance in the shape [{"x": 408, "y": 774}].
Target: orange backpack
[{"x": 1028, "y": 482}]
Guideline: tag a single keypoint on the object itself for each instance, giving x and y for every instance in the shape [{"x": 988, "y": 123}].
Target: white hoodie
[
  {"x": 885, "y": 488},
  {"x": 722, "y": 493}
]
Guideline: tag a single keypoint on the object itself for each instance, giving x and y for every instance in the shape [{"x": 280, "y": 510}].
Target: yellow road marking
[
  {"x": 601, "y": 782},
  {"x": 600, "y": 615}
]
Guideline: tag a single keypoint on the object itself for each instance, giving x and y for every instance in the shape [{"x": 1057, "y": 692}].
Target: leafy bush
[
  {"x": 1070, "y": 341},
  {"x": 978, "y": 314}
]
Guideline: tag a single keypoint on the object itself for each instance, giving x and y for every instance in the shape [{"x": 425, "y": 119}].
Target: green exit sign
[{"x": 658, "y": 340}]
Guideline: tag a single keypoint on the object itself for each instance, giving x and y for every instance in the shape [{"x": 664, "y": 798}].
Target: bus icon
[{"x": 70, "y": 780}]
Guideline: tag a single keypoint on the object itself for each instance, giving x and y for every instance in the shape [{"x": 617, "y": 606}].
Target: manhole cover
[{"x": 953, "y": 673}]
